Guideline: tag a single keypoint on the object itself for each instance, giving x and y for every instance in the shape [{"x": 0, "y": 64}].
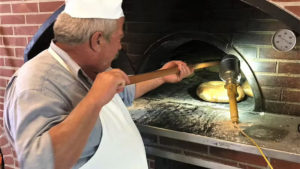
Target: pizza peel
[{"x": 164, "y": 72}]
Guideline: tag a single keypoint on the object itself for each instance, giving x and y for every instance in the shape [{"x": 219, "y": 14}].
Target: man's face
[{"x": 111, "y": 48}]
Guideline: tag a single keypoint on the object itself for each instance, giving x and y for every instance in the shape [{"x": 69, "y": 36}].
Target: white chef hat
[{"x": 106, "y": 9}]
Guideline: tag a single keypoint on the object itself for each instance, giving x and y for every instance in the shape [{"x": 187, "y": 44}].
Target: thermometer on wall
[{"x": 284, "y": 40}]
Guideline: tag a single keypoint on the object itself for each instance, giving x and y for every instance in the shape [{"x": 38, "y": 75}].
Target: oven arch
[{"x": 161, "y": 50}]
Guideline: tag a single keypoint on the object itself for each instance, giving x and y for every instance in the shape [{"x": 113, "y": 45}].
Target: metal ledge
[
  {"x": 287, "y": 156},
  {"x": 197, "y": 122}
]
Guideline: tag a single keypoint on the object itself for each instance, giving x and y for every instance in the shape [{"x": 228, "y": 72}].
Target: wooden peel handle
[
  {"x": 164, "y": 72},
  {"x": 152, "y": 75}
]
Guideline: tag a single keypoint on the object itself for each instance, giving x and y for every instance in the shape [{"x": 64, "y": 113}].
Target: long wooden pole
[{"x": 164, "y": 72}]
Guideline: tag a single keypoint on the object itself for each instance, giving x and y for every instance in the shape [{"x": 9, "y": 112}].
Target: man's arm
[
  {"x": 71, "y": 135},
  {"x": 146, "y": 86},
  {"x": 45, "y": 133}
]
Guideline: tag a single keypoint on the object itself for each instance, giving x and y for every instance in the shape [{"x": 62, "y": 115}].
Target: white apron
[{"x": 121, "y": 145}]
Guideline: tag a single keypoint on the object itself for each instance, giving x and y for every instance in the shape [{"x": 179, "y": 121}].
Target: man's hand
[
  {"x": 107, "y": 84},
  {"x": 80, "y": 122},
  {"x": 184, "y": 71}
]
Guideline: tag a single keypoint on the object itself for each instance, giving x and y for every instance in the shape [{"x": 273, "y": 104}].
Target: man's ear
[{"x": 95, "y": 41}]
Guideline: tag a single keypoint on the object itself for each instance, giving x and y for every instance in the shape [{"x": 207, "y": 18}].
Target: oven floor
[
  {"x": 272, "y": 131},
  {"x": 175, "y": 107}
]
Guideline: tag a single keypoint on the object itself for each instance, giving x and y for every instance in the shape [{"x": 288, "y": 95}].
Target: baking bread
[
  {"x": 247, "y": 89},
  {"x": 214, "y": 91}
]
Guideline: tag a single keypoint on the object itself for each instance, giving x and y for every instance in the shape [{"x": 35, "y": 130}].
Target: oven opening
[{"x": 178, "y": 106}]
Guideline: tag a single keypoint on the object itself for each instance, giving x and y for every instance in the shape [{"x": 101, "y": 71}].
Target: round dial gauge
[{"x": 284, "y": 40}]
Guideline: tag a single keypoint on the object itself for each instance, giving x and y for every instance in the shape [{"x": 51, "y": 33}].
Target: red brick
[
  {"x": 16, "y": 163},
  {"x": 8, "y": 160},
  {"x": 2, "y": 91},
  {"x": 6, "y": 150},
  {"x": 37, "y": 19},
  {"x": 279, "y": 164},
  {"x": 20, "y": 52},
  {"x": 3, "y": 141},
  {"x": 1, "y": 128},
  {"x": 238, "y": 156},
  {"x": 25, "y": 8},
  {"x": 14, "y": 41},
  {"x": 14, "y": 152},
  {"x": 282, "y": 107},
  {"x": 50, "y": 6},
  {"x": 8, "y": 167},
  {"x": 173, "y": 150},
  {"x": 183, "y": 145},
  {"x": 6, "y": 51},
  {"x": 6, "y": 72},
  {"x": 294, "y": 9},
  {"x": 29, "y": 39},
  {"x": 271, "y": 93},
  {"x": 291, "y": 95},
  {"x": 212, "y": 158},
  {"x": 263, "y": 66},
  {"x": 14, "y": 62},
  {"x": 5, "y": 8},
  {"x": 293, "y": 68},
  {"x": 271, "y": 53},
  {"x": 278, "y": 81},
  {"x": 1, "y": 40},
  {"x": 6, "y": 30},
  {"x": 1, "y": 62},
  {"x": 243, "y": 166},
  {"x": 3, "y": 83},
  {"x": 25, "y": 30},
  {"x": 13, "y": 19}
]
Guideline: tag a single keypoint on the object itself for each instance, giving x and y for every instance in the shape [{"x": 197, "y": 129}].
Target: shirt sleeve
[
  {"x": 128, "y": 94},
  {"x": 32, "y": 114}
]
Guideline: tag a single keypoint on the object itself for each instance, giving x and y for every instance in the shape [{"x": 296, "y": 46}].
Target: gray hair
[{"x": 73, "y": 31}]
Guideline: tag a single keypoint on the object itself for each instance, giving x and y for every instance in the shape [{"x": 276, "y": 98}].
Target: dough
[
  {"x": 247, "y": 89},
  {"x": 214, "y": 91}
]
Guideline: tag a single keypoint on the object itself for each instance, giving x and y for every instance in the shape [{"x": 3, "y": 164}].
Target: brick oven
[
  {"x": 173, "y": 124},
  {"x": 179, "y": 129}
]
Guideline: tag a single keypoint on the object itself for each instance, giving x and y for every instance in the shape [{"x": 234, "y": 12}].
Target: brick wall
[
  {"x": 292, "y": 6},
  {"x": 247, "y": 28},
  {"x": 19, "y": 20}
]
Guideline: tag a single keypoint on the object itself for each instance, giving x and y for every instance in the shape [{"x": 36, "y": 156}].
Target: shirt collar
[{"x": 73, "y": 66}]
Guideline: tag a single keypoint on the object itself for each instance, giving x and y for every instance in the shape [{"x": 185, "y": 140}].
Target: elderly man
[{"x": 65, "y": 107}]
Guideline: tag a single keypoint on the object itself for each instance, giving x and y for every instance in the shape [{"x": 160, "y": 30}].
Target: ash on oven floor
[
  {"x": 178, "y": 116},
  {"x": 176, "y": 107}
]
